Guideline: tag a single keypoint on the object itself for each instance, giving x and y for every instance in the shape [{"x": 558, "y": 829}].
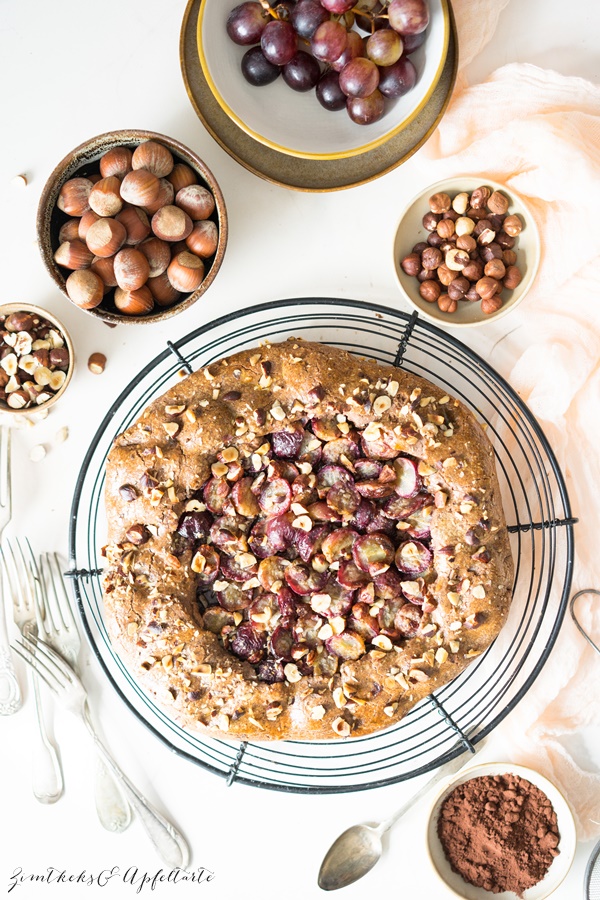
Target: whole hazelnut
[
  {"x": 458, "y": 288},
  {"x": 411, "y": 264},
  {"x": 434, "y": 240},
  {"x": 473, "y": 270},
  {"x": 85, "y": 288},
  {"x": 497, "y": 203},
  {"x": 430, "y": 291},
  {"x": 418, "y": 248},
  {"x": 19, "y": 321},
  {"x": 496, "y": 221},
  {"x": 431, "y": 258},
  {"x": 472, "y": 296},
  {"x": 486, "y": 236},
  {"x": 131, "y": 269},
  {"x": 162, "y": 290},
  {"x": 140, "y": 187},
  {"x": 165, "y": 197},
  {"x": 512, "y": 225},
  {"x": 512, "y": 278},
  {"x": 116, "y": 162},
  {"x": 154, "y": 157},
  {"x": 446, "y": 275},
  {"x": 506, "y": 241},
  {"x": 73, "y": 198},
  {"x": 138, "y": 534},
  {"x": 182, "y": 176},
  {"x": 186, "y": 272},
  {"x": 490, "y": 251},
  {"x": 477, "y": 212},
  {"x": 491, "y": 305},
  {"x": 480, "y": 197},
  {"x": 446, "y": 304},
  {"x": 481, "y": 225},
  {"x": 509, "y": 257},
  {"x": 158, "y": 254},
  {"x": 440, "y": 203},
  {"x": 466, "y": 242},
  {"x": 486, "y": 287},
  {"x": 73, "y": 255},
  {"x": 457, "y": 259},
  {"x": 460, "y": 204},
  {"x": 105, "y": 268},
  {"x": 464, "y": 225},
  {"x": 196, "y": 201},
  {"x": 105, "y": 198},
  {"x": 430, "y": 221},
  {"x": 136, "y": 222},
  {"x": 451, "y": 214},
  {"x": 171, "y": 224},
  {"x": 204, "y": 239},
  {"x": 425, "y": 275},
  {"x": 59, "y": 358},
  {"x": 105, "y": 237},
  {"x": 134, "y": 303},
  {"x": 86, "y": 222},
  {"x": 70, "y": 231},
  {"x": 445, "y": 228},
  {"x": 495, "y": 268}
]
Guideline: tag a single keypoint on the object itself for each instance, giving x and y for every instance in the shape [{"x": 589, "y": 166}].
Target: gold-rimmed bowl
[
  {"x": 559, "y": 868},
  {"x": 7, "y": 309},
  {"x": 410, "y": 231},
  {"x": 85, "y": 160},
  {"x": 295, "y": 123}
]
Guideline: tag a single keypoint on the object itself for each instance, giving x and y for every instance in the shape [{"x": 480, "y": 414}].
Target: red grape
[
  {"x": 384, "y": 47},
  {"x": 278, "y": 42},
  {"x": 408, "y": 16},
  {"x": 256, "y": 69},
  {"x": 359, "y": 77},
  {"x": 337, "y": 6},
  {"x": 246, "y": 23},
  {"x": 302, "y": 72},
  {"x": 397, "y": 80},
  {"x": 306, "y": 17},
  {"x": 413, "y": 41},
  {"x": 329, "y": 41},
  {"x": 355, "y": 47},
  {"x": 329, "y": 93},
  {"x": 366, "y": 110}
]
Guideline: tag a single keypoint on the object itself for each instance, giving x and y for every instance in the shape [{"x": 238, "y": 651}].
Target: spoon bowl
[{"x": 350, "y": 857}]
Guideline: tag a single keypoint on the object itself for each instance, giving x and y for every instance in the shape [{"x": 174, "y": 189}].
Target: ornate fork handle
[
  {"x": 170, "y": 844},
  {"x": 10, "y": 692}
]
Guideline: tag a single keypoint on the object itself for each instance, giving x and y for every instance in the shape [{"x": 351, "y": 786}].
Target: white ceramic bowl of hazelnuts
[
  {"x": 132, "y": 227},
  {"x": 466, "y": 251}
]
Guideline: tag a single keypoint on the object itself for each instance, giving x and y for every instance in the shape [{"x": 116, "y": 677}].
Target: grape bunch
[{"x": 318, "y": 44}]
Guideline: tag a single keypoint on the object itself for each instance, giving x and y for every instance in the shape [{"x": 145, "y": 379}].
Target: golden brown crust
[{"x": 150, "y": 599}]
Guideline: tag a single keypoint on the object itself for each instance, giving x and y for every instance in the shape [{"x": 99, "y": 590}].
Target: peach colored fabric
[{"x": 538, "y": 132}]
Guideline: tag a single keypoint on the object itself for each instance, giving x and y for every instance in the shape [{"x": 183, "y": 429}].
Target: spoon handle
[{"x": 448, "y": 769}]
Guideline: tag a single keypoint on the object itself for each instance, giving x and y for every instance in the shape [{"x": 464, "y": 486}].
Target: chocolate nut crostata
[{"x": 302, "y": 544}]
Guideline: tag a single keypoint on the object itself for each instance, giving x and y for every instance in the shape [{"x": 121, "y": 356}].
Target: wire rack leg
[
  {"x": 453, "y": 725},
  {"x": 539, "y": 526},
  {"x": 235, "y": 765}
]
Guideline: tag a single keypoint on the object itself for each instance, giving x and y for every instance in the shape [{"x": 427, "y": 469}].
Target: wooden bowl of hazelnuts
[
  {"x": 132, "y": 227},
  {"x": 466, "y": 251}
]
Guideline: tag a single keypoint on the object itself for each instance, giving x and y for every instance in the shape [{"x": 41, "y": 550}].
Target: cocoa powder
[{"x": 499, "y": 833}]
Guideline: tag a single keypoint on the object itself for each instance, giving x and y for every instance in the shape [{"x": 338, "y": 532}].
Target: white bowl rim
[
  {"x": 535, "y": 236},
  {"x": 500, "y": 768},
  {"x": 304, "y": 154}
]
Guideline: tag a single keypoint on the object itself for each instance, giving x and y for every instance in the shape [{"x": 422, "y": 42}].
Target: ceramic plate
[
  {"x": 411, "y": 231},
  {"x": 308, "y": 174},
  {"x": 296, "y": 123}
]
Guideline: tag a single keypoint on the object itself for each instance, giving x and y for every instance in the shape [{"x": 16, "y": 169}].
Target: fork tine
[
  {"x": 40, "y": 669},
  {"x": 58, "y": 597},
  {"x": 45, "y": 620},
  {"x": 50, "y": 658},
  {"x": 5, "y": 471}
]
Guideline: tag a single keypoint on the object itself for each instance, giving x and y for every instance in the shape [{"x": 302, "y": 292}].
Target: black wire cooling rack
[{"x": 536, "y": 506}]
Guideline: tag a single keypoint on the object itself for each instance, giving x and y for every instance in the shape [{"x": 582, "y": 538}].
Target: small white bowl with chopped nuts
[
  {"x": 449, "y": 227},
  {"x": 36, "y": 359}
]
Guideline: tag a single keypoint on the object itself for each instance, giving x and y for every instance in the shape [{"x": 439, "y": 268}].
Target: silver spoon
[{"x": 359, "y": 848}]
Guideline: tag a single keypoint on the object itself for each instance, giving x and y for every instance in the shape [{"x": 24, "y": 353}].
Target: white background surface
[{"x": 70, "y": 70}]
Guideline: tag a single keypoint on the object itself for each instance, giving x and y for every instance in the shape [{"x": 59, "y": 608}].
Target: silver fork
[
  {"x": 24, "y": 580},
  {"x": 70, "y": 692},
  {"x": 57, "y": 627},
  {"x": 10, "y": 692}
]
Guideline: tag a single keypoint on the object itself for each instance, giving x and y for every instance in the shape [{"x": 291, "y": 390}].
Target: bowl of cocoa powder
[{"x": 501, "y": 830}]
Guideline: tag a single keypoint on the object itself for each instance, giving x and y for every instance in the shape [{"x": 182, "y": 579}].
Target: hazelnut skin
[
  {"x": 411, "y": 264},
  {"x": 116, "y": 162},
  {"x": 446, "y": 275},
  {"x": 446, "y": 304},
  {"x": 475, "y": 212},
  {"x": 486, "y": 287},
  {"x": 440, "y": 203},
  {"x": 69, "y": 231},
  {"x": 495, "y": 268},
  {"x": 154, "y": 157},
  {"x": 473, "y": 270},
  {"x": 458, "y": 288},
  {"x": 434, "y": 240},
  {"x": 136, "y": 222},
  {"x": 162, "y": 290},
  {"x": 445, "y": 229},
  {"x": 196, "y": 201},
  {"x": 418, "y": 248},
  {"x": 203, "y": 239},
  {"x": 509, "y": 257},
  {"x": 430, "y": 221},
  {"x": 480, "y": 197},
  {"x": 466, "y": 242},
  {"x": 505, "y": 240},
  {"x": 86, "y": 222},
  {"x": 497, "y": 203},
  {"x": 134, "y": 303},
  {"x": 105, "y": 268},
  {"x": 73, "y": 198},
  {"x": 496, "y": 221},
  {"x": 140, "y": 187},
  {"x": 451, "y": 214},
  {"x": 491, "y": 305},
  {"x": 472, "y": 296},
  {"x": 73, "y": 255},
  {"x": 512, "y": 225},
  {"x": 431, "y": 258},
  {"x": 430, "y": 291},
  {"x": 513, "y": 278},
  {"x": 490, "y": 251},
  {"x": 158, "y": 254},
  {"x": 426, "y": 275},
  {"x": 186, "y": 272}
]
